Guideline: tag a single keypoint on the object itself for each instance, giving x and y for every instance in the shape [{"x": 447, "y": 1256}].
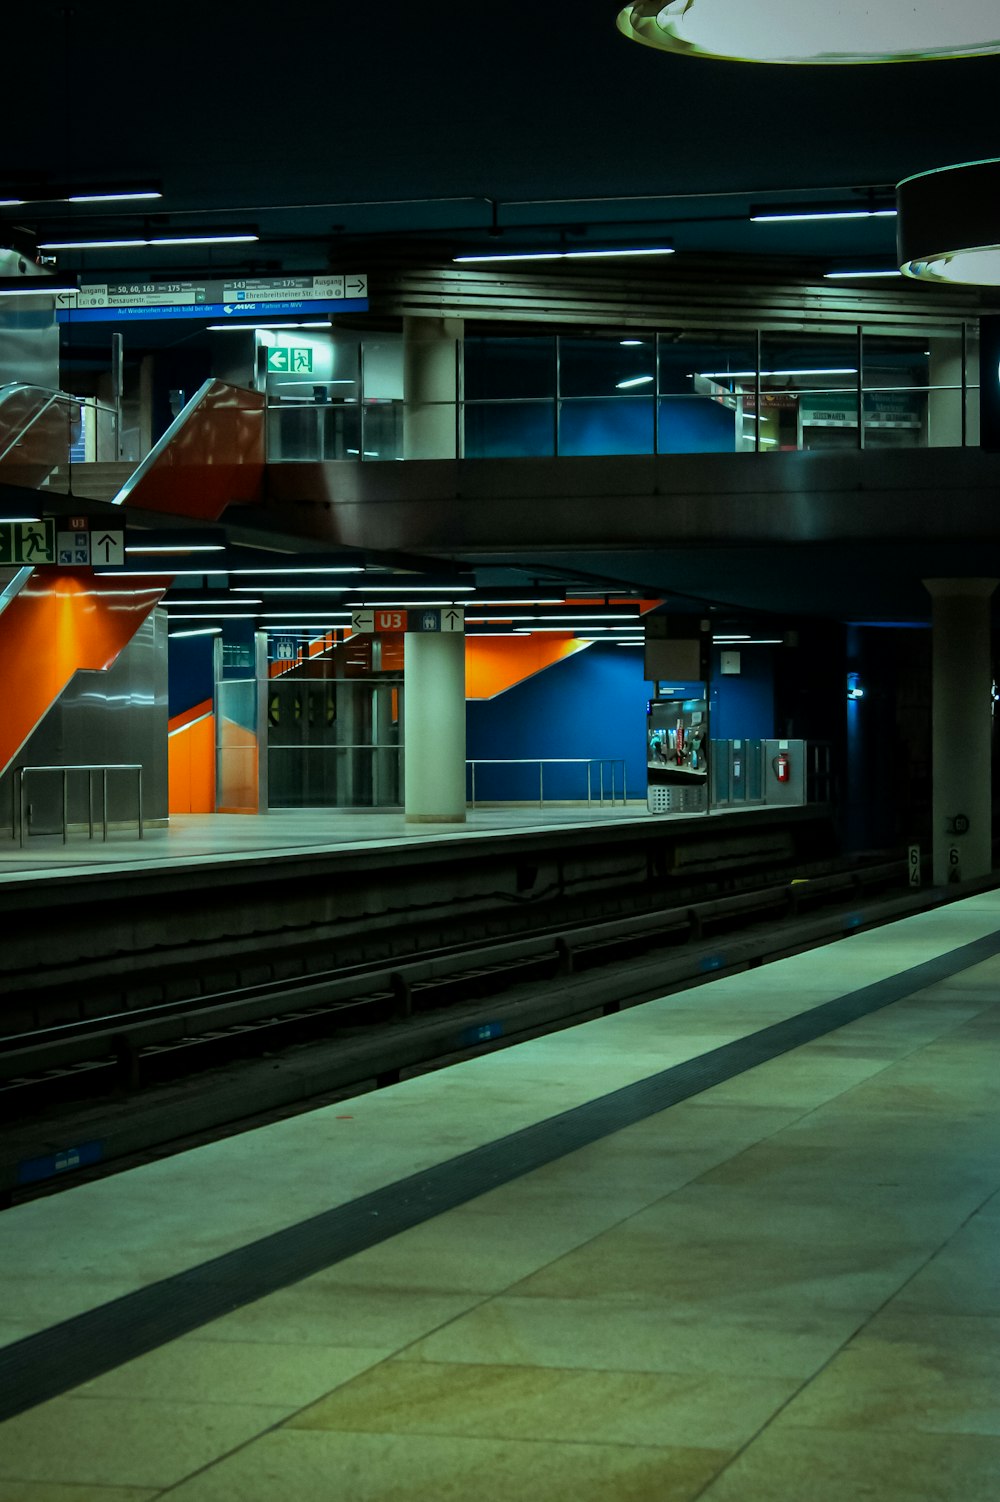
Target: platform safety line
[{"x": 53, "y": 1361}]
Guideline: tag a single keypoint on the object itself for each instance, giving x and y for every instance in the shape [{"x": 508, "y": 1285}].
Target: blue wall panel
[
  {"x": 594, "y": 704},
  {"x": 743, "y": 703},
  {"x": 590, "y": 704}
]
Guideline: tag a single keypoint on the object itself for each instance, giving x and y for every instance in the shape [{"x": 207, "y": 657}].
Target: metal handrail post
[
  {"x": 473, "y": 766},
  {"x": 20, "y": 806},
  {"x": 590, "y": 766},
  {"x": 139, "y": 796},
  {"x": 104, "y": 803},
  {"x": 90, "y": 803},
  {"x": 541, "y": 782},
  {"x": 65, "y": 804}
]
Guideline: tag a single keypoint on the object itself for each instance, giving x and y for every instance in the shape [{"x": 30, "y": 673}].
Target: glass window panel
[
  {"x": 616, "y": 425},
  {"x": 383, "y": 430},
  {"x": 698, "y": 425},
  {"x": 502, "y": 367},
  {"x": 808, "y": 392},
  {"x": 899, "y": 409},
  {"x": 509, "y": 430},
  {"x": 696, "y": 363},
  {"x": 602, "y": 367}
]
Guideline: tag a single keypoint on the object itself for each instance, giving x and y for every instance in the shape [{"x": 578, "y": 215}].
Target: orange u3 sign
[{"x": 390, "y": 620}]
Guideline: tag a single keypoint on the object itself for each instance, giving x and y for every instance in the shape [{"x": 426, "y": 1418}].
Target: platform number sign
[{"x": 914, "y": 865}]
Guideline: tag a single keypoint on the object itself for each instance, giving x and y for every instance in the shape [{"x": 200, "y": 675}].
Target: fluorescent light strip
[
  {"x": 10, "y": 521},
  {"x": 45, "y": 289},
  {"x": 783, "y": 218},
  {"x": 634, "y": 381},
  {"x": 102, "y": 197},
  {"x": 293, "y": 589},
  {"x": 741, "y": 375},
  {"x": 199, "y": 631},
  {"x": 157, "y": 240},
  {"x": 210, "y": 616},
  {"x": 224, "y": 604},
  {"x": 561, "y": 255},
  {"x": 833, "y": 276},
  {"x": 274, "y": 328}
]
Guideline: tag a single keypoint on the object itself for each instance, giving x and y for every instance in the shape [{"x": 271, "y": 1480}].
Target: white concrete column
[
  {"x": 434, "y": 727},
  {"x": 944, "y": 408},
  {"x": 962, "y": 728},
  {"x": 432, "y": 350}
]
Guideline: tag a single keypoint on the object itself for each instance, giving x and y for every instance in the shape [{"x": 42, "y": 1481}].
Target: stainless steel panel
[{"x": 119, "y": 715}]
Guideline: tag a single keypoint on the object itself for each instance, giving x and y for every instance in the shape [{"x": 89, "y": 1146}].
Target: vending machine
[{"x": 677, "y": 755}]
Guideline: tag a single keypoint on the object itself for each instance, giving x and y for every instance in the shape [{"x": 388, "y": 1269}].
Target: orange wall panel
[
  {"x": 495, "y": 663},
  {"x": 191, "y": 766}
]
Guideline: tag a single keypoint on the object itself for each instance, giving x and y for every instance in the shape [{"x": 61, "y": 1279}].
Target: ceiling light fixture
[
  {"x": 799, "y": 216},
  {"x": 160, "y": 242},
  {"x": 633, "y": 381},
  {"x": 833, "y": 276},
  {"x": 748, "y": 375},
  {"x": 949, "y": 224},
  {"x": 565, "y": 255},
  {"x": 838, "y": 32},
  {"x": 37, "y": 286},
  {"x": 274, "y": 328},
  {"x": 118, "y": 196}
]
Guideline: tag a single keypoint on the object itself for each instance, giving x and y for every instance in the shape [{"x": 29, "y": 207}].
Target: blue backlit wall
[{"x": 592, "y": 705}]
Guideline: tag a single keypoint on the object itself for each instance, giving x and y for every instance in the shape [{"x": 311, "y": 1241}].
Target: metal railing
[
  {"x": 590, "y": 762},
  {"x": 49, "y": 399},
  {"x": 19, "y": 825}
]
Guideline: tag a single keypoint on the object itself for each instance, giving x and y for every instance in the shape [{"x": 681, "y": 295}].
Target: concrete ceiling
[{"x": 328, "y": 125}]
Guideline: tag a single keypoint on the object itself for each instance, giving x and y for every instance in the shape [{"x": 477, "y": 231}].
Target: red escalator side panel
[
  {"x": 215, "y": 460},
  {"x": 61, "y": 622}
]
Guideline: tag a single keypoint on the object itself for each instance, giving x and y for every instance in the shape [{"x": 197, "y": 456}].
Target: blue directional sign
[{"x": 244, "y": 298}]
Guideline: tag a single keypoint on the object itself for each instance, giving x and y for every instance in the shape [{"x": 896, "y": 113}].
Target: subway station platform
[
  {"x": 738, "y": 1243},
  {"x": 194, "y": 838}
]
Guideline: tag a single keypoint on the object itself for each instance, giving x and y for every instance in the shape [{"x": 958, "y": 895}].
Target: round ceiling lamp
[
  {"x": 948, "y": 225},
  {"x": 832, "y": 31}
]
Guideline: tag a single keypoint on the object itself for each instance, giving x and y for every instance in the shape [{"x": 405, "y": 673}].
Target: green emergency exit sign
[
  {"x": 289, "y": 359},
  {"x": 28, "y": 542}
]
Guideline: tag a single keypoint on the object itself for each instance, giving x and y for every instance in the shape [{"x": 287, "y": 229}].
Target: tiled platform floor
[{"x": 784, "y": 1288}]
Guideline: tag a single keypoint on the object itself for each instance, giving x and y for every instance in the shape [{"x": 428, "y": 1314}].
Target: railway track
[{"x": 129, "y": 1080}]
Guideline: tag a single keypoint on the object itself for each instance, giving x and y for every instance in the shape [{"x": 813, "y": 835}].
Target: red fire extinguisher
[{"x": 782, "y": 766}]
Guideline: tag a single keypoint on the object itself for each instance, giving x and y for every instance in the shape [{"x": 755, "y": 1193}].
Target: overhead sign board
[
  {"x": 448, "y": 618},
  {"x": 375, "y": 622},
  {"x": 237, "y": 298}
]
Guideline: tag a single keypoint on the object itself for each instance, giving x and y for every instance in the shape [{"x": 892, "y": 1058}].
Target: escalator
[{"x": 56, "y": 621}]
